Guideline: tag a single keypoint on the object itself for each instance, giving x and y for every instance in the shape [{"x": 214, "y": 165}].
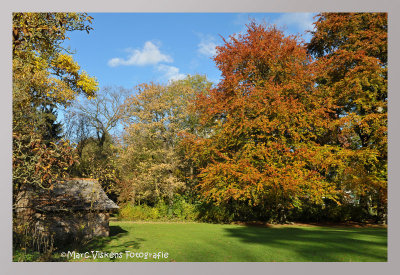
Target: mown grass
[{"x": 201, "y": 242}]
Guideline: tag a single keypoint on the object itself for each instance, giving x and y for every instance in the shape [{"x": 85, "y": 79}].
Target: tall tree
[
  {"x": 44, "y": 77},
  {"x": 151, "y": 157},
  {"x": 351, "y": 57},
  {"x": 266, "y": 119}
]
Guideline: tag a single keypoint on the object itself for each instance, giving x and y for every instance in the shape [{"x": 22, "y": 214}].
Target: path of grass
[{"x": 198, "y": 242}]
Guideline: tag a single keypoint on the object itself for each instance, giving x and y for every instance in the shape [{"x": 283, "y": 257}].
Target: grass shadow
[
  {"x": 116, "y": 230},
  {"x": 116, "y": 242},
  {"x": 318, "y": 244},
  {"x": 99, "y": 243}
]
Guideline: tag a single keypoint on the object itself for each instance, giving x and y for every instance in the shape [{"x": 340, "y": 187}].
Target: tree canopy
[
  {"x": 45, "y": 76},
  {"x": 151, "y": 154},
  {"x": 351, "y": 60},
  {"x": 266, "y": 117}
]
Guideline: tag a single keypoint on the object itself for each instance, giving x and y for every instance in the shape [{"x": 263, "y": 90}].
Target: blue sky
[{"x": 126, "y": 49}]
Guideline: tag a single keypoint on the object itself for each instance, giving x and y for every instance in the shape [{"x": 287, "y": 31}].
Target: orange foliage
[
  {"x": 266, "y": 117},
  {"x": 351, "y": 51}
]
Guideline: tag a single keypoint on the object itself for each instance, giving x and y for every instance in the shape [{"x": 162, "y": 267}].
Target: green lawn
[{"x": 200, "y": 242}]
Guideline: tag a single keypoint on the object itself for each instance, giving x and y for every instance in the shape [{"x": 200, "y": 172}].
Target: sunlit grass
[{"x": 200, "y": 242}]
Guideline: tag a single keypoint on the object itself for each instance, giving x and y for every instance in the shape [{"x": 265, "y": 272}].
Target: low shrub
[{"x": 177, "y": 210}]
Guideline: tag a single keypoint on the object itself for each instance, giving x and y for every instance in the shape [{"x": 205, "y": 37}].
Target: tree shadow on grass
[
  {"x": 103, "y": 244},
  {"x": 116, "y": 230},
  {"x": 316, "y": 244},
  {"x": 115, "y": 242}
]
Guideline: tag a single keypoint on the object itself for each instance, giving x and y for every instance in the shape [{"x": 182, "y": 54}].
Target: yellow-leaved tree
[{"x": 45, "y": 78}]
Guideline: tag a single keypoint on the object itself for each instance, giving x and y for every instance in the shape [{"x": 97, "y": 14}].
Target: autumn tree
[
  {"x": 351, "y": 60},
  {"x": 266, "y": 118},
  {"x": 45, "y": 77},
  {"x": 151, "y": 158}
]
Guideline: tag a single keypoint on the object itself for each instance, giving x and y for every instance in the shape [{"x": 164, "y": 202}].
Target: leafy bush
[{"x": 177, "y": 210}]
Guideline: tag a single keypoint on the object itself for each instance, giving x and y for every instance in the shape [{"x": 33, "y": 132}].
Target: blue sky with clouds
[{"x": 126, "y": 49}]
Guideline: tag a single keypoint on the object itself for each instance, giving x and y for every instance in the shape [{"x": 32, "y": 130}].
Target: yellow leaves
[
  {"x": 88, "y": 84},
  {"x": 61, "y": 92},
  {"x": 60, "y": 88},
  {"x": 65, "y": 62},
  {"x": 40, "y": 63}
]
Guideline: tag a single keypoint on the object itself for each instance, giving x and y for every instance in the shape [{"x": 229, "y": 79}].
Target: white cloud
[
  {"x": 300, "y": 21},
  {"x": 149, "y": 55},
  {"x": 207, "y": 46},
  {"x": 170, "y": 72}
]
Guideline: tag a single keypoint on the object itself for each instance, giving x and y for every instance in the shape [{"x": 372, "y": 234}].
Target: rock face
[{"x": 73, "y": 210}]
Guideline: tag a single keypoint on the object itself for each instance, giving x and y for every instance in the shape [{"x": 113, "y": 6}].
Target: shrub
[{"x": 178, "y": 210}]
